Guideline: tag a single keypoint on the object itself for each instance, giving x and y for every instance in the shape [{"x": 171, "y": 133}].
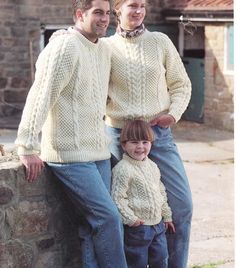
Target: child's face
[{"x": 138, "y": 150}]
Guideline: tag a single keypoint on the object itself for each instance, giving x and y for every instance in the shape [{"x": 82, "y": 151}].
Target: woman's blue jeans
[
  {"x": 146, "y": 246},
  {"x": 165, "y": 154},
  {"x": 101, "y": 231}
]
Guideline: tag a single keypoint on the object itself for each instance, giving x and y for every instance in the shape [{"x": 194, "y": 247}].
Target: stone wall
[
  {"x": 37, "y": 223},
  {"x": 20, "y": 22},
  {"x": 219, "y": 86}
]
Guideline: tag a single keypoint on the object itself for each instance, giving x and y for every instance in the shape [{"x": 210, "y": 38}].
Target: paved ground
[{"x": 208, "y": 156}]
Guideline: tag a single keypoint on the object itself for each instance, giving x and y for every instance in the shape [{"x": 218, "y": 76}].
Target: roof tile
[{"x": 201, "y": 4}]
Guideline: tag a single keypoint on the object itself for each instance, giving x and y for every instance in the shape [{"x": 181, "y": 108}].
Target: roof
[{"x": 211, "y": 5}]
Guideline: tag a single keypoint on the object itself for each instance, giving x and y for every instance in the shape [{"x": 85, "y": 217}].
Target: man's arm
[{"x": 53, "y": 70}]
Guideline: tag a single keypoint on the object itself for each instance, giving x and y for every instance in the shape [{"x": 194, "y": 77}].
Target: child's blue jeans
[{"x": 146, "y": 245}]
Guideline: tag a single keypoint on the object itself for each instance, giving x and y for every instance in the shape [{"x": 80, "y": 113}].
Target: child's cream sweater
[
  {"x": 147, "y": 79},
  {"x": 138, "y": 192},
  {"x": 67, "y": 101}
]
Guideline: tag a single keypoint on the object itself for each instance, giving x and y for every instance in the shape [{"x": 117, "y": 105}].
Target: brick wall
[{"x": 36, "y": 226}]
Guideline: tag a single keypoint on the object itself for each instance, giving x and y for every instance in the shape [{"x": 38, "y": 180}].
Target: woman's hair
[{"x": 136, "y": 130}]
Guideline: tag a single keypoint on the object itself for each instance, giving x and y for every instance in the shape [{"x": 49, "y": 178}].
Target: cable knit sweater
[
  {"x": 67, "y": 101},
  {"x": 147, "y": 79},
  {"x": 138, "y": 192}
]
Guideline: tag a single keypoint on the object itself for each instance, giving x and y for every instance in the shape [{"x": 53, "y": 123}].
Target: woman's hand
[
  {"x": 163, "y": 121},
  {"x": 170, "y": 226}
]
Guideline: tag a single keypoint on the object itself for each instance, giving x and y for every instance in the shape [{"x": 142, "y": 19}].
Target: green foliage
[{"x": 208, "y": 265}]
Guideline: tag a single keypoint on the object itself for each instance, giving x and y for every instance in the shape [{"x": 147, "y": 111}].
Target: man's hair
[
  {"x": 136, "y": 130},
  {"x": 82, "y": 5}
]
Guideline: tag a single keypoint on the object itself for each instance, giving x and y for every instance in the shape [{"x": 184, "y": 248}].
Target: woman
[{"x": 148, "y": 81}]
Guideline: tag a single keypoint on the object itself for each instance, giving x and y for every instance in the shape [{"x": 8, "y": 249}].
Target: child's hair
[{"x": 136, "y": 130}]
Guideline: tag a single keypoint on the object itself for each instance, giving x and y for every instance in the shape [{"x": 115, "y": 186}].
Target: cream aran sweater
[
  {"x": 138, "y": 192},
  {"x": 67, "y": 101},
  {"x": 147, "y": 79}
]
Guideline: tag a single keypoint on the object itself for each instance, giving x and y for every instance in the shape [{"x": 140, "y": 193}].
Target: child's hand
[
  {"x": 170, "y": 226},
  {"x": 138, "y": 222}
]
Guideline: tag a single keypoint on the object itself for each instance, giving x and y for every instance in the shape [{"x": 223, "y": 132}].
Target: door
[{"x": 195, "y": 70}]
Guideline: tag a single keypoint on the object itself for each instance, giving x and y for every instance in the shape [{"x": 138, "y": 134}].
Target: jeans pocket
[{"x": 135, "y": 235}]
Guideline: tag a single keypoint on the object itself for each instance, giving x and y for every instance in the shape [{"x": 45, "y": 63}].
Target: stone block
[
  {"x": 3, "y": 82},
  {"x": 45, "y": 243},
  {"x": 15, "y": 95},
  {"x": 17, "y": 254},
  {"x": 29, "y": 218},
  {"x": 6, "y": 194}
]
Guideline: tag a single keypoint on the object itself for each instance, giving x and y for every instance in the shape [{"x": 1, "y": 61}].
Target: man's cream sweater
[
  {"x": 67, "y": 101},
  {"x": 147, "y": 79},
  {"x": 138, "y": 192}
]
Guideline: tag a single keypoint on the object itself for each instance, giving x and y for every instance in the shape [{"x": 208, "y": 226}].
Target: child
[{"x": 141, "y": 199}]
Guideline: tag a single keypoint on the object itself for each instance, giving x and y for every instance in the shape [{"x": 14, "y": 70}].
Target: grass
[{"x": 208, "y": 265}]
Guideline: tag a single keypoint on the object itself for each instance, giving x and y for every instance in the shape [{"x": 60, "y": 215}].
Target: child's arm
[
  {"x": 120, "y": 186},
  {"x": 166, "y": 211}
]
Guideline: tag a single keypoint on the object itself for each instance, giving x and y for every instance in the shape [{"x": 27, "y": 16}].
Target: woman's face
[{"x": 131, "y": 14}]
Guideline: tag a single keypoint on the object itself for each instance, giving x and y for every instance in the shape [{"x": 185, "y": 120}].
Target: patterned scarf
[{"x": 129, "y": 34}]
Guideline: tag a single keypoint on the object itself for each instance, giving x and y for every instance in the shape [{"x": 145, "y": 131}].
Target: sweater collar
[
  {"x": 129, "y": 34},
  {"x": 135, "y": 39},
  {"x": 83, "y": 39},
  {"x": 135, "y": 162}
]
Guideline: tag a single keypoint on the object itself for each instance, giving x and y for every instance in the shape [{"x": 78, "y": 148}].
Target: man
[{"x": 67, "y": 101}]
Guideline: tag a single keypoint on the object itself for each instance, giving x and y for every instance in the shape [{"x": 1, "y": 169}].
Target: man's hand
[
  {"x": 163, "y": 121},
  {"x": 34, "y": 166}
]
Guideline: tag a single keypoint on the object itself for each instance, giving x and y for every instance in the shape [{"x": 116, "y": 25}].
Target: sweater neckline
[
  {"x": 134, "y": 39},
  {"x": 83, "y": 39},
  {"x": 135, "y": 162}
]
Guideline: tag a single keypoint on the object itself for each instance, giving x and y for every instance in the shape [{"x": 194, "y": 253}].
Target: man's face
[{"x": 94, "y": 21}]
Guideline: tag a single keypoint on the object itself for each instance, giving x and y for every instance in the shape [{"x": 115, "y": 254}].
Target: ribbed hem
[
  {"x": 152, "y": 221},
  {"x": 72, "y": 157},
  {"x": 120, "y": 123}
]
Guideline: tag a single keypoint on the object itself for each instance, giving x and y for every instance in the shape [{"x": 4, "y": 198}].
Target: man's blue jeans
[
  {"x": 101, "y": 231},
  {"x": 146, "y": 245},
  {"x": 165, "y": 154}
]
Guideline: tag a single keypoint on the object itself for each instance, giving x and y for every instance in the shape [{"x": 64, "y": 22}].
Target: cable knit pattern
[
  {"x": 68, "y": 102},
  {"x": 138, "y": 192},
  {"x": 147, "y": 79}
]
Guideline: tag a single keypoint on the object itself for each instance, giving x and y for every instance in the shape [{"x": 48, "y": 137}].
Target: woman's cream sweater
[{"x": 147, "y": 79}]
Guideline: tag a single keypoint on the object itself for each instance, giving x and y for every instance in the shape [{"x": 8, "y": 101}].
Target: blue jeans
[
  {"x": 165, "y": 154},
  {"x": 146, "y": 245},
  {"x": 101, "y": 231}
]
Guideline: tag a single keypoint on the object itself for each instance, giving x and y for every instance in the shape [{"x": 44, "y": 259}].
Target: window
[{"x": 229, "y": 48}]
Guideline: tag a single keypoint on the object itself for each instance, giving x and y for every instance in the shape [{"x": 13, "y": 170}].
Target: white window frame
[
  {"x": 50, "y": 27},
  {"x": 227, "y": 70}
]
